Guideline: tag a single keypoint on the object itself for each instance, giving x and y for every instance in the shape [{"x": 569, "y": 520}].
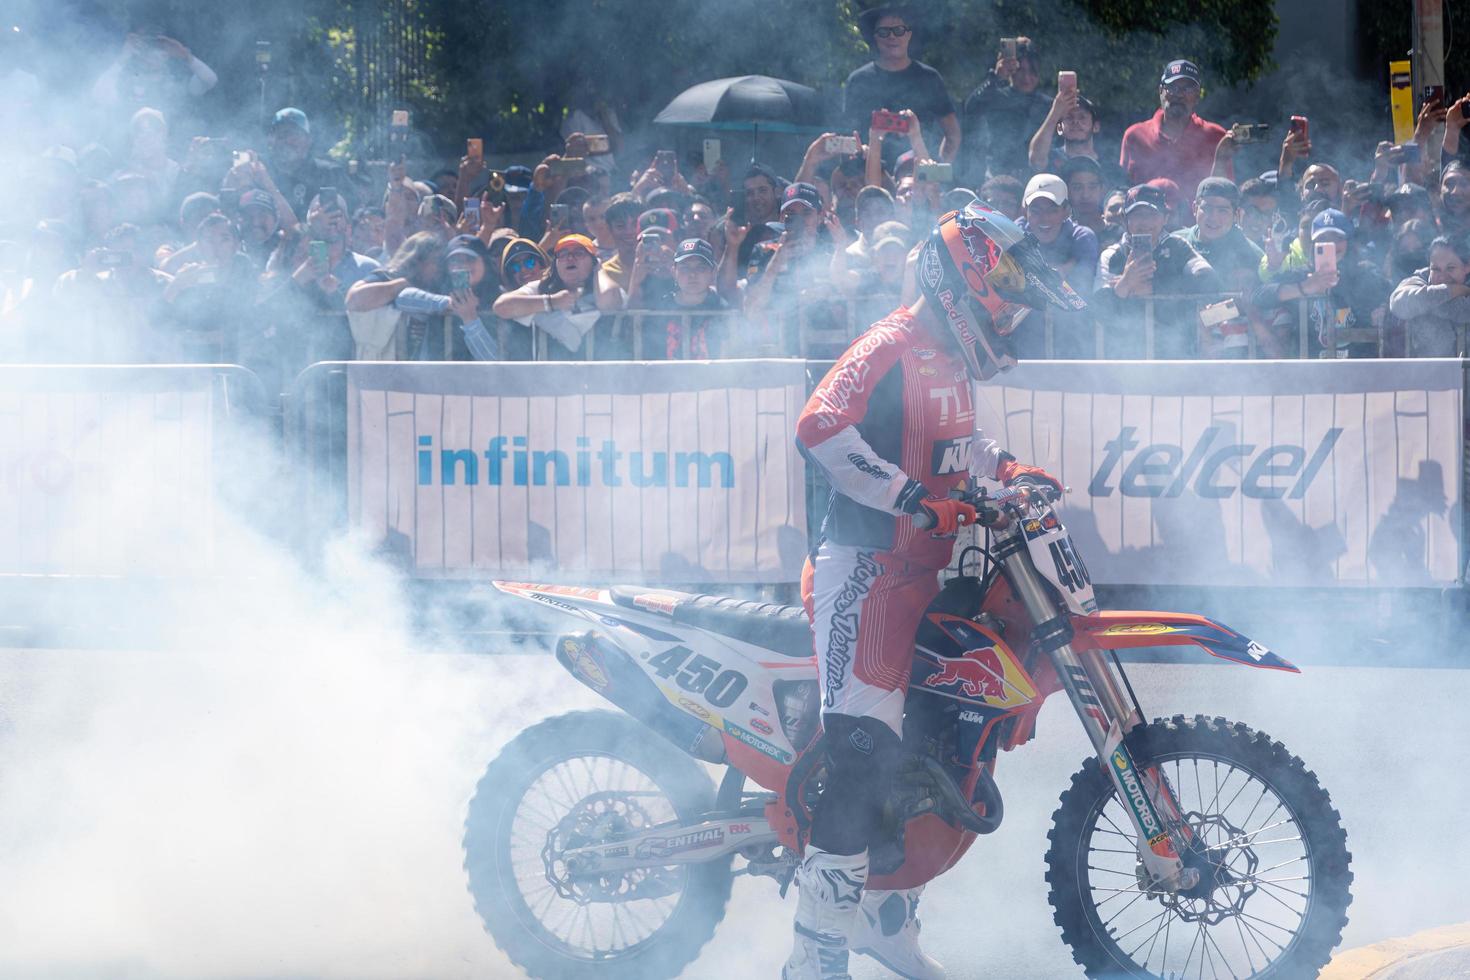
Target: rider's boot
[
  {"x": 887, "y": 929},
  {"x": 831, "y": 889}
]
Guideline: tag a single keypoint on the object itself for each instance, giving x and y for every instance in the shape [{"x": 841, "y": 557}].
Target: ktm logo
[{"x": 951, "y": 456}]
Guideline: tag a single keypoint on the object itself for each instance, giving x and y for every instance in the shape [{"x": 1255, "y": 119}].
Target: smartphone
[
  {"x": 1409, "y": 152},
  {"x": 664, "y": 162},
  {"x": 263, "y": 54},
  {"x": 1324, "y": 257},
  {"x": 1433, "y": 93},
  {"x": 459, "y": 280},
  {"x": 1218, "y": 313},
  {"x": 474, "y": 149},
  {"x": 1066, "y": 81},
  {"x": 1250, "y": 132},
  {"x": 1299, "y": 125},
  {"x": 711, "y": 155},
  {"x": 208, "y": 276},
  {"x": 398, "y": 129},
  {"x": 329, "y": 198},
  {"x": 243, "y": 157},
  {"x": 319, "y": 252},
  {"x": 560, "y": 215},
  {"x": 598, "y": 143},
  {"x": 568, "y": 167},
  {"x": 842, "y": 145},
  {"x": 472, "y": 210},
  {"x": 1143, "y": 243},
  {"x": 939, "y": 173},
  {"x": 1008, "y": 48},
  {"x": 888, "y": 122}
]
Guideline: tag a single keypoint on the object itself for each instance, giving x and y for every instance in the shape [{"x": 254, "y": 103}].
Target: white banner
[
  {"x": 670, "y": 472},
  {"x": 107, "y": 471},
  {"x": 1247, "y": 473}
]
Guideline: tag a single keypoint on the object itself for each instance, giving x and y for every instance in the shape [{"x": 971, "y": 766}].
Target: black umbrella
[{"x": 746, "y": 102}]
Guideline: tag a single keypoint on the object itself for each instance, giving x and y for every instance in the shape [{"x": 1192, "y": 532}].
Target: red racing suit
[{"x": 890, "y": 424}]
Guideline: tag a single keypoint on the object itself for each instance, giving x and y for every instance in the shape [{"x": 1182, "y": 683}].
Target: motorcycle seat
[{"x": 780, "y": 629}]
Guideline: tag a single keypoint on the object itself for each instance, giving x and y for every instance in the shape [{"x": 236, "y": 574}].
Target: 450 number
[{"x": 701, "y": 675}]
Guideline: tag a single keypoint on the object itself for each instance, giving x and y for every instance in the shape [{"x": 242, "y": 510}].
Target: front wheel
[
  {"x": 585, "y": 778},
  {"x": 1273, "y": 893}
]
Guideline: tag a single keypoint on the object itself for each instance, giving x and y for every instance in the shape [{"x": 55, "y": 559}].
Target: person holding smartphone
[
  {"x": 1145, "y": 264},
  {"x": 893, "y": 81},
  {"x": 1341, "y": 290},
  {"x": 1003, "y": 113}
]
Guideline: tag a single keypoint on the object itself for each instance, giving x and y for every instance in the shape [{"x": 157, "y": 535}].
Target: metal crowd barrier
[{"x": 176, "y": 438}]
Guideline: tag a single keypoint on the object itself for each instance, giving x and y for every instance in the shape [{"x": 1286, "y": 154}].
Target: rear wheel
[
  {"x": 579, "y": 779},
  {"x": 1271, "y": 852}
]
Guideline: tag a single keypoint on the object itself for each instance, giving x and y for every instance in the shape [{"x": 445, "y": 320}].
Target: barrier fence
[{"x": 1300, "y": 475}]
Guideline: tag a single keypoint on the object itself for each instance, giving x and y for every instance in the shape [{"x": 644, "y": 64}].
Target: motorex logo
[
  {"x": 1213, "y": 468},
  {"x": 511, "y": 462}
]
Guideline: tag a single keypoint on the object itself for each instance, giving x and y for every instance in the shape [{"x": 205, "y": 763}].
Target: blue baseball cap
[
  {"x": 1331, "y": 221},
  {"x": 291, "y": 116}
]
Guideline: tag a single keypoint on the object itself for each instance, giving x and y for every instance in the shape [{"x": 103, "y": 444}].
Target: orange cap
[{"x": 569, "y": 241}]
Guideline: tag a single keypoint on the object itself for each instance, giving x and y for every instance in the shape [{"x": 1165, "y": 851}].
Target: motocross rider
[{"x": 892, "y": 428}]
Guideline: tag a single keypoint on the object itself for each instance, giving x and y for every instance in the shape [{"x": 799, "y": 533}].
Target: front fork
[{"x": 1097, "y": 694}]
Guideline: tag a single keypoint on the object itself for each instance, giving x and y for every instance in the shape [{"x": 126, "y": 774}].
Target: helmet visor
[{"x": 1024, "y": 276}]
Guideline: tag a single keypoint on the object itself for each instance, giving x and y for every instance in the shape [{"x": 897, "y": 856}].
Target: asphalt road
[{"x": 293, "y": 808}]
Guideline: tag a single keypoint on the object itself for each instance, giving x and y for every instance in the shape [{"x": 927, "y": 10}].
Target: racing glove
[
  {"x": 948, "y": 515},
  {"x": 1009, "y": 470}
]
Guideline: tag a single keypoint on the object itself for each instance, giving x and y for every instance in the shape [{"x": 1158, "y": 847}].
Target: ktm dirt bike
[{"x": 596, "y": 845}]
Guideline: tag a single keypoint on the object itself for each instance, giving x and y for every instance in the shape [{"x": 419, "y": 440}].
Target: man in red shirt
[{"x": 1175, "y": 143}]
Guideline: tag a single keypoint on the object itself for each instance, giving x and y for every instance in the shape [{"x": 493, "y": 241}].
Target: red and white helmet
[{"x": 981, "y": 273}]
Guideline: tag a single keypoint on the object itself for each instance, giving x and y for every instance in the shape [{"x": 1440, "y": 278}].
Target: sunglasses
[
  {"x": 899, "y": 31},
  {"x": 519, "y": 265}
]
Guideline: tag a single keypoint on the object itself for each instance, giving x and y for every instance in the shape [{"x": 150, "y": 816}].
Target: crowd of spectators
[{"x": 274, "y": 256}]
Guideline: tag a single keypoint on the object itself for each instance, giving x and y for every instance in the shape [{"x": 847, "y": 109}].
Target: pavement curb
[{"x": 1368, "y": 962}]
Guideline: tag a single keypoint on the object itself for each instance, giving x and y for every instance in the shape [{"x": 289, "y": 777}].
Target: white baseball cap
[{"x": 1049, "y": 186}]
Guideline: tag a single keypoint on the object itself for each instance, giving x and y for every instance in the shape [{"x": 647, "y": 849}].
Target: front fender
[{"x": 1120, "y": 630}]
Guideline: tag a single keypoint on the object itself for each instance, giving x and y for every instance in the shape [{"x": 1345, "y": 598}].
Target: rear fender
[{"x": 1120, "y": 630}]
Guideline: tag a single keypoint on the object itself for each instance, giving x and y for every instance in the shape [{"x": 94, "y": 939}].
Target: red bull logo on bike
[{"x": 987, "y": 675}]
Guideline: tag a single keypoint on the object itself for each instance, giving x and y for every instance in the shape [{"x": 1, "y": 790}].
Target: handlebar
[{"x": 992, "y": 510}]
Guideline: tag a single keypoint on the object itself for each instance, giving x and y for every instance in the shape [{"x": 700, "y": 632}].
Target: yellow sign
[
  {"x": 1401, "y": 100},
  {"x": 1137, "y": 629}
]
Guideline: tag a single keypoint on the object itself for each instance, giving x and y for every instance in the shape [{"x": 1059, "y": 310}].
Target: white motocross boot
[
  {"x": 887, "y": 929},
  {"x": 831, "y": 889}
]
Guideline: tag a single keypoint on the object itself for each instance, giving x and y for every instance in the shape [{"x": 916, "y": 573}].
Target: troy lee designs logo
[
  {"x": 851, "y": 376},
  {"x": 843, "y": 632}
]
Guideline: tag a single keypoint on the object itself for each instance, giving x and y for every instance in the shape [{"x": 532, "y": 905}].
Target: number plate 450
[
  {"x": 1051, "y": 549},
  {"x": 700, "y": 675}
]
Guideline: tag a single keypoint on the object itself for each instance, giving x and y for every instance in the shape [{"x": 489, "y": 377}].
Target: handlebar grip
[
  {"x": 1049, "y": 492},
  {"x": 923, "y": 519}
]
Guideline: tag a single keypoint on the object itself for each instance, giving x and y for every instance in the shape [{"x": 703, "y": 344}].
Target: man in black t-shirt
[{"x": 893, "y": 81}]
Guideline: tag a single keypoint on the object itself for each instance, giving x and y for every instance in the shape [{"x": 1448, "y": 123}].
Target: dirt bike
[{"x": 1184, "y": 847}]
